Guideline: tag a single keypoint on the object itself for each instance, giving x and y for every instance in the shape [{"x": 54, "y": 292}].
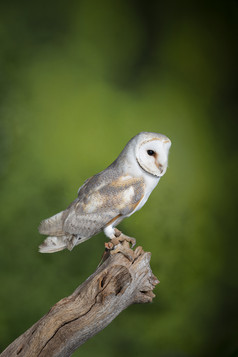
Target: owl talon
[
  {"x": 130, "y": 240},
  {"x": 120, "y": 237},
  {"x": 120, "y": 245},
  {"x": 123, "y": 250}
]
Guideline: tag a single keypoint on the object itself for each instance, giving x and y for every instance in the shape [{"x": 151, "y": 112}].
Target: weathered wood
[{"x": 123, "y": 279}]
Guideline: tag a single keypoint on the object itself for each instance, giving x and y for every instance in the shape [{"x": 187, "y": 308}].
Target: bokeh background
[{"x": 78, "y": 80}]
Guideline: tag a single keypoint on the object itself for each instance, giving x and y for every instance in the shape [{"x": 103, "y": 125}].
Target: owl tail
[
  {"x": 53, "y": 225},
  {"x": 53, "y": 244}
]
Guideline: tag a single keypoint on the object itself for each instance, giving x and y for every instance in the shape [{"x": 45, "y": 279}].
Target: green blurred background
[{"x": 78, "y": 80}]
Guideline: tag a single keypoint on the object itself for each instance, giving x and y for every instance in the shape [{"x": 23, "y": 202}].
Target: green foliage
[{"x": 79, "y": 79}]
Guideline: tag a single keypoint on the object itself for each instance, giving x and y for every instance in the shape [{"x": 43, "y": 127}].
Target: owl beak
[
  {"x": 163, "y": 172},
  {"x": 161, "y": 168}
]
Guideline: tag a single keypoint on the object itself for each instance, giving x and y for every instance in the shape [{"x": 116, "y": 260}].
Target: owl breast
[{"x": 150, "y": 183}]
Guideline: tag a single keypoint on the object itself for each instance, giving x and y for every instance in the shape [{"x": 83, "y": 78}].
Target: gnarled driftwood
[{"x": 123, "y": 279}]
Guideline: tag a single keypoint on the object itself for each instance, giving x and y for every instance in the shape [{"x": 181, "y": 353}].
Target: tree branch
[{"x": 123, "y": 279}]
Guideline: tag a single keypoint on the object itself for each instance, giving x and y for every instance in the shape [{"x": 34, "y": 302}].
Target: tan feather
[{"x": 52, "y": 225}]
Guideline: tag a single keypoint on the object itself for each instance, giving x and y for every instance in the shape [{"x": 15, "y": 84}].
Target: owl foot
[
  {"x": 120, "y": 243},
  {"x": 120, "y": 237},
  {"x": 117, "y": 246},
  {"x": 122, "y": 247},
  {"x": 108, "y": 247}
]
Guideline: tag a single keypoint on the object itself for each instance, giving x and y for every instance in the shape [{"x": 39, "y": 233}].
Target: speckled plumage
[{"x": 105, "y": 199}]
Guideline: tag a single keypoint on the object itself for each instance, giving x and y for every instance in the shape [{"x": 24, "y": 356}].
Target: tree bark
[{"x": 124, "y": 278}]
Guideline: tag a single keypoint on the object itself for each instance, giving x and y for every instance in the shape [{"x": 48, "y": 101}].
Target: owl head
[{"x": 149, "y": 151}]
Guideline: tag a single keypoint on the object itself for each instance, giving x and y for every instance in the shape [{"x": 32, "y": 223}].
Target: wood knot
[{"x": 113, "y": 282}]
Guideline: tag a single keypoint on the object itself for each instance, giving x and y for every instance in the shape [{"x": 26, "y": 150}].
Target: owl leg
[
  {"x": 117, "y": 236},
  {"x": 120, "y": 244},
  {"x": 121, "y": 237}
]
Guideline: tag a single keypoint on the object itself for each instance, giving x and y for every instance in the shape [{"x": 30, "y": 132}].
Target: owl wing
[{"x": 100, "y": 203}]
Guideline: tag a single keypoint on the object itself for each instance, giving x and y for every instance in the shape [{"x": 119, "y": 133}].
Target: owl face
[{"x": 152, "y": 154}]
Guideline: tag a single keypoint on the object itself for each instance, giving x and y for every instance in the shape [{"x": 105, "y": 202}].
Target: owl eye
[{"x": 150, "y": 152}]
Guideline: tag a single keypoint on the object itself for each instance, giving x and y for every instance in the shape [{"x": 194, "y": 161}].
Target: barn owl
[{"x": 105, "y": 199}]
